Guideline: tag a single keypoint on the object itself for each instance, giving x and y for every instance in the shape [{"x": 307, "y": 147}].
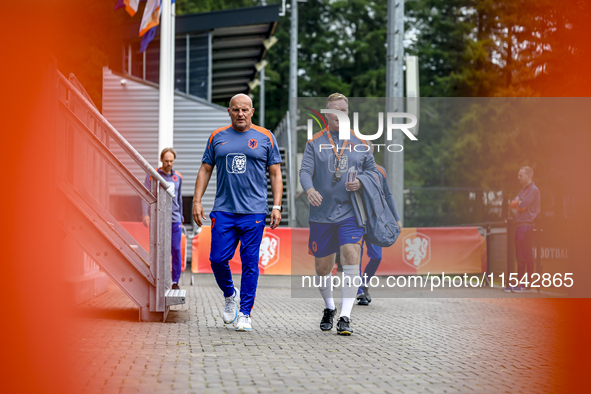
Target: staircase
[{"x": 99, "y": 191}]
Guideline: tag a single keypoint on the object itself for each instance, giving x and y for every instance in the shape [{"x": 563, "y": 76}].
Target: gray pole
[
  {"x": 293, "y": 56},
  {"x": 166, "y": 81},
  {"x": 394, "y": 162},
  {"x": 261, "y": 108},
  {"x": 262, "y": 98},
  {"x": 293, "y": 94}
]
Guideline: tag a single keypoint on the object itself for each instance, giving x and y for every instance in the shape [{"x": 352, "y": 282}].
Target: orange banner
[
  {"x": 274, "y": 254},
  {"x": 284, "y": 251},
  {"x": 453, "y": 250}
]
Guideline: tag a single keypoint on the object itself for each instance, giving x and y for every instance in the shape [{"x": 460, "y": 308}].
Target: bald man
[{"x": 242, "y": 153}]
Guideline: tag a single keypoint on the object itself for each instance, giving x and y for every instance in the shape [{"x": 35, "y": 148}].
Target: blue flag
[{"x": 147, "y": 38}]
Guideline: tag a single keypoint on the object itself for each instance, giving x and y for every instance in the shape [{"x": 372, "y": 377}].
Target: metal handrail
[
  {"x": 111, "y": 159},
  {"x": 127, "y": 147},
  {"x": 81, "y": 89},
  {"x": 482, "y": 224}
]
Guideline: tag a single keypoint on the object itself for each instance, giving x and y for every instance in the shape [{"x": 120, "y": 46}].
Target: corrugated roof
[{"x": 237, "y": 43}]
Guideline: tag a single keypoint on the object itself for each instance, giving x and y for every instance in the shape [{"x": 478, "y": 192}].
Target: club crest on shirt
[
  {"x": 343, "y": 165},
  {"x": 252, "y": 144},
  {"x": 236, "y": 163}
]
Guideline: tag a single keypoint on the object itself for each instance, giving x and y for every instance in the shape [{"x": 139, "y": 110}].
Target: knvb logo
[
  {"x": 345, "y": 127},
  {"x": 416, "y": 250},
  {"x": 269, "y": 251},
  {"x": 236, "y": 163}
]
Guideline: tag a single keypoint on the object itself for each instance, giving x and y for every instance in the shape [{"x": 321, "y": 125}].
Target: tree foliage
[
  {"x": 501, "y": 48},
  {"x": 466, "y": 48}
]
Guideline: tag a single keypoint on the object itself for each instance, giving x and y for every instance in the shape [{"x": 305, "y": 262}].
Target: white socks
[
  {"x": 350, "y": 272},
  {"x": 326, "y": 290},
  {"x": 349, "y": 290}
]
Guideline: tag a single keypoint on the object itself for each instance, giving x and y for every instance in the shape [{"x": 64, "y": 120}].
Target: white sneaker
[
  {"x": 231, "y": 307},
  {"x": 243, "y": 323}
]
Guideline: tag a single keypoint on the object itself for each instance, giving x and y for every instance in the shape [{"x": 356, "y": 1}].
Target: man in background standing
[
  {"x": 527, "y": 205},
  {"x": 167, "y": 157}
]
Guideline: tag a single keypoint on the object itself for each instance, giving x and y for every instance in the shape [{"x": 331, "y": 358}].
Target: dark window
[
  {"x": 198, "y": 66},
  {"x": 198, "y": 63}
]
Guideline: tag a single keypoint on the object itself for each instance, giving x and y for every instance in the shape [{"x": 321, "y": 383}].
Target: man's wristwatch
[{"x": 279, "y": 207}]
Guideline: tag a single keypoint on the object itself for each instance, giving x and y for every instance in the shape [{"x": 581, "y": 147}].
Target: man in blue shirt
[
  {"x": 242, "y": 153},
  {"x": 527, "y": 206},
  {"x": 167, "y": 157},
  {"x": 333, "y": 226},
  {"x": 375, "y": 252}
]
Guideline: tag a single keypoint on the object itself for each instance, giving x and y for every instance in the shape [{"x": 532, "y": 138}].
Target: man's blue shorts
[{"x": 326, "y": 238}]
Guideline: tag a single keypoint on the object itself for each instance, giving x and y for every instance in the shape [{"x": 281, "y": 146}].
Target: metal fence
[{"x": 282, "y": 134}]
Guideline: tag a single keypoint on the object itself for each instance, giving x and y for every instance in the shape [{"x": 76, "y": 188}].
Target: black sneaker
[
  {"x": 362, "y": 300},
  {"x": 366, "y": 293},
  {"x": 175, "y": 286},
  {"x": 344, "y": 326},
  {"x": 327, "y": 318}
]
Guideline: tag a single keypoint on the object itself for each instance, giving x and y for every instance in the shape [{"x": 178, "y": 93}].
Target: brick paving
[{"x": 401, "y": 345}]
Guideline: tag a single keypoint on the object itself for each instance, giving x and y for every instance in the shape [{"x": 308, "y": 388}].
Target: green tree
[{"x": 341, "y": 49}]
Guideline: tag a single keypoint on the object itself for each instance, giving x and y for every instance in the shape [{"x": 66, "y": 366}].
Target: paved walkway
[{"x": 399, "y": 346}]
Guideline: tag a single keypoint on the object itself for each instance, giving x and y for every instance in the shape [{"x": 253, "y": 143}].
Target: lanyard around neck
[{"x": 334, "y": 149}]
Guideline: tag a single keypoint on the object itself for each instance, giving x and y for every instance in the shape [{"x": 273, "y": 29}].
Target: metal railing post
[
  {"x": 537, "y": 235},
  {"x": 291, "y": 173},
  {"x": 154, "y": 245},
  {"x": 164, "y": 241},
  {"x": 510, "y": 246},
  {"x": 487, "y": 233},
  {"x": 160, "y": 238}
]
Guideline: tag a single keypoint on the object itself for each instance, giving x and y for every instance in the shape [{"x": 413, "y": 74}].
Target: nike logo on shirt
[{"x": 258, "y": 221}]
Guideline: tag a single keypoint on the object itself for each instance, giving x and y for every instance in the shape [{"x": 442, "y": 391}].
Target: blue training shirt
[
  {"x": 318, "y": 169},
  {"x": 241, "y": 158}
]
